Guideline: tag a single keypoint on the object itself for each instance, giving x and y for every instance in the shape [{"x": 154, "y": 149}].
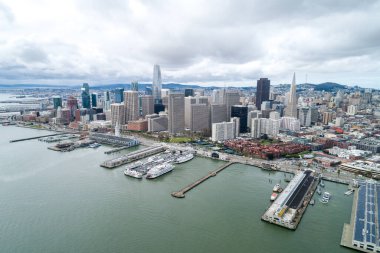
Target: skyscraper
[
  {"x": 72, "y": 104},
  {"x": 86, "y": 98},
  {"x": 131, "y": 103},
  {"x": 57, "y": 102},
  {"x": 231, "y": 98},
  {"x": 135, "y": 86},
  {"x": 176, "y": 111},
  {"x": 94, "y": 99},
  {"x": 240, "y": 112},
  {"x": 262, "y": 91},
  {"x": 157, "y": 84},
  {"x": 117, "y": 114},
  {"x": 291, "y": 109},
  {"x": 119, "y": 92},
  {"x": 189, "y": 92},
  {"x": 147, "y": 106}
]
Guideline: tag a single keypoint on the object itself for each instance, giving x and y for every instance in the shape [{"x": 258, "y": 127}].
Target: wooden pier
[{"x": 181, "y": 193}]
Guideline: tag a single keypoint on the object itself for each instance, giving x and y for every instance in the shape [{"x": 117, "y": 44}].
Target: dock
[
  {"x": 133, "y": 156},
  {"x": 115, "y": 150},
  {"x": 288, "y": 208},
  {"x": 181, "y": 193},
  {"x": 36, "y": 137}
]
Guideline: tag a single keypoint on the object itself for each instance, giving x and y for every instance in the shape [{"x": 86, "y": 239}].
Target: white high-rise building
[
  {"x": 352, "y": 109},
  {"x": 252, "y": 115},
  {"x": 176, "y": 111},
  {"x": 255, "y": 128},
  {"x": 131, "y": 103},
  {"x": 291, "y": 109},
  {"x": 157, "y": 84},
  {"x": 223, "y": 131},
  {"x": 339, "y": 121},
  {"x": 236, "y": 121},
  {"x": 290, "y": 123}
]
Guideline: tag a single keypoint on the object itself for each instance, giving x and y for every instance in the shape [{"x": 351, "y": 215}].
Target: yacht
[
  {"x": 184, "y": 158},
  {"x": 133, "y": 173},
  {"x": 94, "y": 145},
  {"x": 159, "y": 170},
  {"x": 273, "y": 197},
  {"x": 276, "y": 188},
  {"x": 325, "y": 198}
]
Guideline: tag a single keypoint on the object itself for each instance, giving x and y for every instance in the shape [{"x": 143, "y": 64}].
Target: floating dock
[
  {"x": 181, "y": 193},
  {"x": 133, "y": 156},
  {"x": 363, "y": 232},
  {"x": 288, "y": 208}
]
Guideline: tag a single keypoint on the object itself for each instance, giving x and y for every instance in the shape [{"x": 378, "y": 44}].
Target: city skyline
[{"x": 40, "y": 46}]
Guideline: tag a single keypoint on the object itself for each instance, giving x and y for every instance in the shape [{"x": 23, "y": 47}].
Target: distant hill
[{"x": 329, "y": 86}]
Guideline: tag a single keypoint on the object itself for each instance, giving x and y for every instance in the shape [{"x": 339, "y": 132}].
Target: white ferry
[{"x": 159, "y": 170}]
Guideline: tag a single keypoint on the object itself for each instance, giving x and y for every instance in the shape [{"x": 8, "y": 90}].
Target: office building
[
  {"x": 131, "y": 103},
  {"x": 157, "y": 123},
  {"x": 119, "y": 95},
  {"x": 135, "y": 86},
  {"x": 241, "y": 112},
  {"x": 236, "y": 121},
  {"x": 231, "y": 98},
  {"x": 147, "y": 105},
  {"x": 291, "y": 109},
  {"x": 86, "y": 98},
  {"x": 189, "y": 93},
  {"x": 94, "y": 99},
  {"x": 157, "y": 84},
  {"x": 218, "y": 113},
  {"x": 262, "y": 91},
  {"x": 117, "y": 114},
  {"x": 57, "y": 102},
  {"x": 200, "y": 118},
  {"x": 176, "y": 111},
  {"x": 255, "y": 128},
  {"x": 327, "y": 117}
]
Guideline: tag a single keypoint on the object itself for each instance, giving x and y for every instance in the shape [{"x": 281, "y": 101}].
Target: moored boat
[
  {"x": 133, "y": 173},
  {"x": 276, "y": 187},
  {"x": 159, "y": 170},
  {"x": 274, "y": 196}
]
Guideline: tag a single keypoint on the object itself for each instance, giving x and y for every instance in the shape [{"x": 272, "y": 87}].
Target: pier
[
  {"x": 116, "y": 150},
  {"x": 37, "y": 137},
  {"x": 133, "y": 156},
  {"x": 181, "y": 193}
]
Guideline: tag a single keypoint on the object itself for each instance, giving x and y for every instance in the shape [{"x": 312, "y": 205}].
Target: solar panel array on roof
[{"x": 367, "y": 215}]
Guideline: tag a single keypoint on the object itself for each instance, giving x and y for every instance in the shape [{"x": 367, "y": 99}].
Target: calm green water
[{"x": 65, "y": 202}]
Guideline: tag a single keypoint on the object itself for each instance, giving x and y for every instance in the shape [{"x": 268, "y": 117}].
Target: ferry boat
[
  {"x": 276, "y": 188},
  {"x": 183, "y": 159},
  {"x": 273, "y": 197},
  {"x": 133, "y": 173},
  {"x": 159, "y": 170}
]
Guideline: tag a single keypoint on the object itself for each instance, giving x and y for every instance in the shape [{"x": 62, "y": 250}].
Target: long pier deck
[
  {"x": 181, "y": 193},
  {"x": 36, "y": 137}
]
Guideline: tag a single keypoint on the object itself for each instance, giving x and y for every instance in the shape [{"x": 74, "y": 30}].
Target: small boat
[
  {"x": 322, "y": 184},
  {"x": 273, "y": 196},
  {"x": 280, "y": 190},
  {"x": 276, "y": 187},
  {"x": 312, "y": 202},
  {"x": 94, "y": 145},
  {"x": 325, "y": 198},
  {"x": 319, "y": 191},
  {"x": 287, "y": 180},
  {"x": 349, "y": 192}
]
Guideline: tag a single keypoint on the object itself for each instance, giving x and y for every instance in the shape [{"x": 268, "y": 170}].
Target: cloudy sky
[{"x": 195, "y": 41}]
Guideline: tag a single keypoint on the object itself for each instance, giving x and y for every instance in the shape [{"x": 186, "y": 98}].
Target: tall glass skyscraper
[
  {"x": 157, "y": 84},
  {"x": 86, "y": 98},
  {"x": 119, "y": 97}
]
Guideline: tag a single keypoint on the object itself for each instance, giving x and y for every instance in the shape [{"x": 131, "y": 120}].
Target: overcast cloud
[{"x": 195, "y": 41}]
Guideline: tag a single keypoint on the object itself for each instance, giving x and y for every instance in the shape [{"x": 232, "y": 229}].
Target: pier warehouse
[
  {"x": 288, "y": 208},
  {"x": 114, "y": 140},
  {"x": 363, "y": 232}
]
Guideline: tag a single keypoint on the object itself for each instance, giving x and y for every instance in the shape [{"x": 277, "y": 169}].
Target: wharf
[
  {"x": 181, "y": 193},
  {"x": 288, "y": 208},
  {"x": 37, "y": 137},
  {"x": 348, "y": 229},
  {"x": 133, "y": 156}
]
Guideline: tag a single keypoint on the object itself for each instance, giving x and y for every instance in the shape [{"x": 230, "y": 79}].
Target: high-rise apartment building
[
  {"x": 176, "y": 111},
  {"x": 223, "y": 131},
  {"x": 131, "y": 103},
  {"x": 262, "y": 91}
]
